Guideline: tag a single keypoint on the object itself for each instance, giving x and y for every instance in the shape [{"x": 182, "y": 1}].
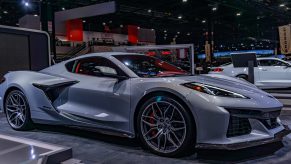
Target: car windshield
[{"x": 145, "y": 66}]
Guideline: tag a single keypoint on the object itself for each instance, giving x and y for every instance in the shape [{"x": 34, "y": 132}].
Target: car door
[
  {"x": 274, "y": 72},
  {"x": 96, "y": 99}
]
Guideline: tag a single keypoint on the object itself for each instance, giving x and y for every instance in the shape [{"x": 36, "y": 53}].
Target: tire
[
  {"x": 170, "y": 134},
  {"x": 244, "y": 77},
  {"x": 17, "y": 111}
]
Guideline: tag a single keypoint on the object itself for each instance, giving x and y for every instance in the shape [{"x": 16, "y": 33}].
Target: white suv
[{"x": 270, "y": 73}]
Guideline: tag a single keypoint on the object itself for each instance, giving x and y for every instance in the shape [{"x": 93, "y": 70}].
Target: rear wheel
[
  {"x": 165, "y": 127},
  {"x": 17, "y": 111}
]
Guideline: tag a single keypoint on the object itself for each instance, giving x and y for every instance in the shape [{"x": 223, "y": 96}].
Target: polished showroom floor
[{"x": 96, "y": 148}]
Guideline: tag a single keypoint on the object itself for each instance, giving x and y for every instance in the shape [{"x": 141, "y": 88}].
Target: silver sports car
[{"x": 132, "y": 95}]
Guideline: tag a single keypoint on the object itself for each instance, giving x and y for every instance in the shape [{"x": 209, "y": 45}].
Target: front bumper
[{"x": 236, "y": 146}]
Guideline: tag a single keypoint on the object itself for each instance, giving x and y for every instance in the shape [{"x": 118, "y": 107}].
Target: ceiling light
[
  {"x": 153, "y": 29},
  {"x": 26, "y": 4},
  {"x": 184, "y": 0},
  {"x": 238, "y": 14},
  {"x": 165, "y": 31},
  {"x": 103, "y": 23},
  {"x": 121, "y": 25},
  {"x": 178, "y": 32},
  {"x": 180, "y": 17},
  {"x": 203, "y": 21},
  {"x": 5, "y": 12},
  {"x": 282, "y": 5},
  {"x": 214, "y": 8},
  {"x": 63, "y": 8},
  {"x": 149, "y": 10},
  {"x": 17, "y": 24},
  {"x": 84, "y": 21},
  {"x": 138, "y": 27},
  {"x": 188, "y": 34}
]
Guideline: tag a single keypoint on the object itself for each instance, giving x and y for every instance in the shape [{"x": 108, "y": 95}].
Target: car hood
[{"x": 222, "y": 81}]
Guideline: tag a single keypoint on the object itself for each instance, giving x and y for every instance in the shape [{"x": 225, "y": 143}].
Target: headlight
[{"x": 215, "y": 91}]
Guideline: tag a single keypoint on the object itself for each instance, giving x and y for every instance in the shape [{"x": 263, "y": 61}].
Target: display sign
[
  {"x": 242, "y": 59},
  {"x": 82, "y": 12},
  {"x": 74, "y": 30},
  {"x": 285, "y": 39},
  {"x": 208, "y": 52},
  {"x": 132, "y": 34},
  {"x": 23, "y": 49}
]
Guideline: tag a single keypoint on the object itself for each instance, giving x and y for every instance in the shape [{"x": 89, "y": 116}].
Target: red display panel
[
  {"x": 74, "y": 30},
  {"x": 132, "y": 34}
]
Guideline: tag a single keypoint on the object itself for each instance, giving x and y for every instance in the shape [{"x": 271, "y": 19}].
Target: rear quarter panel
[{"x": 23, "y": 81}]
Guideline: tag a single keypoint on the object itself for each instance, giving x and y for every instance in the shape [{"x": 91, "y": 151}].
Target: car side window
[
  {"x": 94, "y": 66},
  {"x": 271, "y": 63}
]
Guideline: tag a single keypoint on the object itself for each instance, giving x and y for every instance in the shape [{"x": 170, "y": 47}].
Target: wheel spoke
[
  {"x": 16, "y": 121},
  {"x": 10, "y": 106},
  {"x": 13, "y": 100},
  {"x": 166, "y": 111},
  {"x": 149, "y": 131},
  {"x": 10, "y": 117},
  {"x": 155, "y": 136},
  {"x": 161, "y": 113},
  {"x": 149, "y": 124},
  {"x": 165, "y": 141},
  {"x": 179, "y": 122},
  {"x": 149, "y": 117},
  {"x": 159, "y": 141},
  {"x": 176, "y": 137},
  {"x": 21, "y": 117},
  {"x": 154, "y": 112},
  {"x": 171, "y": 140},
  {"x": 177, "y": 129},
  {"x": 173, "y": 111},
  {"x": 18, "y": 99},
  {"x": 10, "y": 110}
]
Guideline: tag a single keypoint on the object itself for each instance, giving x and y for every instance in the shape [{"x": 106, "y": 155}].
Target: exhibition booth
[{"x": 85, "y": 87}]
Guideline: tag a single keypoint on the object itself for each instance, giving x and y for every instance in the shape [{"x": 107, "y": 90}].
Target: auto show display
[{"x": 134, "y": 95}]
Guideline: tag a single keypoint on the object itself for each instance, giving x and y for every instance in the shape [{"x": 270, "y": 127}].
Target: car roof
[
  {"x": 266, "y": 58},
  {"x": 108, "y": 54}
]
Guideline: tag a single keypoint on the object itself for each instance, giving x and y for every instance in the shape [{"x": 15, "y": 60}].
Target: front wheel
[
  {"x": 165, "y": 127},
  {"x": 17, "y": 111}
]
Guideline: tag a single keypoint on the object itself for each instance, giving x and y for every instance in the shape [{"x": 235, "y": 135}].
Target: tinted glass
[
  {"x": 145, "y": 66},
  {"x": 94, "y": 66},
  {"x": 270, "y": 62}
]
